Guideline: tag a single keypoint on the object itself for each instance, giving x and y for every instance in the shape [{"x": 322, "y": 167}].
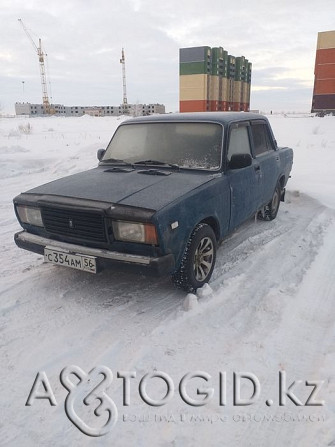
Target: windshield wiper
[
  {"x": 116, "y": 161},
  {"x": 156, "y": 162}
]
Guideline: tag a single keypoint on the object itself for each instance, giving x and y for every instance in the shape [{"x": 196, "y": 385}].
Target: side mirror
[
  {"x": 239, "y": 161},
  {"x": 100, "y": 154}
]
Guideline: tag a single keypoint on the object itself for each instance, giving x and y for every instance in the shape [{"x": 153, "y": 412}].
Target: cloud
[{"x": 263, "y": 88}]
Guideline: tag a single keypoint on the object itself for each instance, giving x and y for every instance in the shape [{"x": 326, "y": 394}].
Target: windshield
[{"x": 188, "y": 145}]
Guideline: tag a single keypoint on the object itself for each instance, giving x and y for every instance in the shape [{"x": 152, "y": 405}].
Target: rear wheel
[
  {"x": 270, "y": 211},
  {"x": 198, "y": 260}
]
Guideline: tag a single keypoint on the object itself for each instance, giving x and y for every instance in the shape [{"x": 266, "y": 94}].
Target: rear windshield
[{"x": 188, "y": 145}]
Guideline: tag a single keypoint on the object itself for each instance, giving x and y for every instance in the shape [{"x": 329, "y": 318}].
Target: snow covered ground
[{"x": 267, "y": 314}]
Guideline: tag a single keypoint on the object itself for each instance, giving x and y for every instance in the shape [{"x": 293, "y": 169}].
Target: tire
[
  {"x": 270, "y": 211},
  {"x": 198, "y": 260}
]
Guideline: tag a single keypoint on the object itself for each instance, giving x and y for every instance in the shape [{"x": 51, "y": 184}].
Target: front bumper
[{"x": 105, "y": 258}]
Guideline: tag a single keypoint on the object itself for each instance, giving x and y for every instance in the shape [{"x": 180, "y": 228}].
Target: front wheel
[
  {"x": 198, "y": 260},
  {"x": 270, "y": 211}
]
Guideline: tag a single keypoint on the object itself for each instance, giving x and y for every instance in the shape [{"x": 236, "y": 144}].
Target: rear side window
[{"x": 261, "y": 139}]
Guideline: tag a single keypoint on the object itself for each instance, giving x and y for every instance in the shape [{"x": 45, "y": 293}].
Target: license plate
[{"x": 77, "y": 261}]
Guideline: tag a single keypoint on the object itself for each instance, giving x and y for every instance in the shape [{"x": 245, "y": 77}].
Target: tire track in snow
[
  {"x": 298, "y": 347},
  {"x": 270, "y": 330},
  {"x": 254, "y": 321}
]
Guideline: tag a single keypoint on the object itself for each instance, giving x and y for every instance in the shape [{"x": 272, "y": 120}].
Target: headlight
[
  {"x": 29, "y": 215},
  {"x": 144, "y": 233}
]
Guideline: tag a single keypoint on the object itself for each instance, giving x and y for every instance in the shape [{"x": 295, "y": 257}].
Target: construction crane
[
  {"x": 125, "y": 102},
  {"x": 41, "y": 56}
]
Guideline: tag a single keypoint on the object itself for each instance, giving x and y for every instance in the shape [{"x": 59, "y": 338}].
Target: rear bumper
[{"x": 105, "y": 258}]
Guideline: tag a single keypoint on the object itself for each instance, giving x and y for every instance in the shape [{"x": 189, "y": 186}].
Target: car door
[
  {"x": 266, "y": 155},
  {"x": 244, "y": 182}
]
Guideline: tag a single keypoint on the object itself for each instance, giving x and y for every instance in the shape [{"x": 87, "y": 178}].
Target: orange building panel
[
  {"x": 215, "y": 106},
  {"x": 224, "y": 106},
  {"x": 212, "y": 106},
  {"x": 326, "y": 71},
  {"x": 325, "y": 56},
  {"x": 236, "y": 106},
  {"x": 324, "y": 86},
  {"x": 244, "y": 107},
  {"x": 193, "y": 106}
]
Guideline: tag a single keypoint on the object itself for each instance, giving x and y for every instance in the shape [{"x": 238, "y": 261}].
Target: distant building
[
  {"x": 324, "y": 74},
  {"x": 94, "y": 111},
  {"x": 61, "y": 110},
  {"x": 28, "y": 109},
  {"x": 213, "y": 80},
  {"x": 146, "y": 109}
]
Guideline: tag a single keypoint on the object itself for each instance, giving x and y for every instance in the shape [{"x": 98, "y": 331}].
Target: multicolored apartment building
[
  {"x": 324, "y": 74},
  {"x": 210, "y": 79}
]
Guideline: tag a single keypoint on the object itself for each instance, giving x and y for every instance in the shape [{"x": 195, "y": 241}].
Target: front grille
[{"x": 74, "y": 224}]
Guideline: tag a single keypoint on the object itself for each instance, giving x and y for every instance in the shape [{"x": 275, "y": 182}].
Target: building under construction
[
  {"x": 29, "y": 109},
  {"x": 213, "y": 80},
  {"x": 324, "y": 74}
]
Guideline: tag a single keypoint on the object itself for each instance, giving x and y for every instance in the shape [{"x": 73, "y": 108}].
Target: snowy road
[{"x": 270, "y": 307}]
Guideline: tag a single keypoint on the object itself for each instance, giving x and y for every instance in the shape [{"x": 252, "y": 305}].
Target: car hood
[{"x": 125, "y": 186}]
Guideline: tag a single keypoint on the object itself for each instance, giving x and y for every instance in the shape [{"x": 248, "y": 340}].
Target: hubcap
[{"x": 203, "y": 259}]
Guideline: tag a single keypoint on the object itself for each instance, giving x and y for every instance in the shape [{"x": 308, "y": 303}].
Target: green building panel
[
  {"x": 194, "y": 68},
  {"x": 219, "y": 62},
  {"x": 240, "y": 72},
  {"x": 249, "y": 72}
]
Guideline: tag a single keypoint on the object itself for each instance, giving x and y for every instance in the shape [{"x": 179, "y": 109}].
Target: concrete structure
[
  {"x": 212, "y": 80},
  {"x": 324, "y": 74},
  {"x": 61, "y": 110},
  {"x": 146, "y": 109},
  {"x": 29, "y": 109}
]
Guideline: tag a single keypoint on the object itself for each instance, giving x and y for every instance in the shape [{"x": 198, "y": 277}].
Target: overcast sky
[{"x": 84, "y": 38}]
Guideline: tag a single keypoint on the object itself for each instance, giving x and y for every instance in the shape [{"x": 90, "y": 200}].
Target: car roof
[{"x": 215, "y": 117}]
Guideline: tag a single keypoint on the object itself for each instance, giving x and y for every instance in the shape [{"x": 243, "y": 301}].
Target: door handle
[{"x": 257, "y": 168}]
